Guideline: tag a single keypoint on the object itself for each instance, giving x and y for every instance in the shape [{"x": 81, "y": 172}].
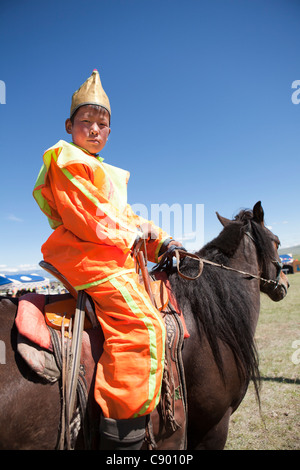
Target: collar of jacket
[{"x": 100, "y": 159}]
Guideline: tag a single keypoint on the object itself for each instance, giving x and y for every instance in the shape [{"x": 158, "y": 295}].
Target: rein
[{"x": 166, "y": 259}]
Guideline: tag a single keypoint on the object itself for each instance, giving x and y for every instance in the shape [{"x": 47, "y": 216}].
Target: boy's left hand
[
  {"x": 149, "y": 233},
  {"x": 175, "y": 243}
]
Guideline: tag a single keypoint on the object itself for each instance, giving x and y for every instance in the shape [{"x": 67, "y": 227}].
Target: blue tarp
[
  {"x": 285, "y": 259},
  {"x": 4, "y": 280},
  {"x": 22, "y": 281}
]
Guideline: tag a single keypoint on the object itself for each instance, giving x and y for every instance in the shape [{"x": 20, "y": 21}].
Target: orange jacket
[{"x": 85, "y": 201}]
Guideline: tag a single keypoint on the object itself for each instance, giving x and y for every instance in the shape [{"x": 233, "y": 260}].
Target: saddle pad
[
  {"x": 33, "y": 316},
  {"x": 30, "y": 320},
  {"x": 42, "y": 362}
]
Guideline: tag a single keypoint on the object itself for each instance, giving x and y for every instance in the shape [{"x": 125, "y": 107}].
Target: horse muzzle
[{"x": 281, "y": 289}]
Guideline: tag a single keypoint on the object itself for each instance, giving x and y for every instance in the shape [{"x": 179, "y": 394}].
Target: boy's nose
[{"x": 94, "y": 129}]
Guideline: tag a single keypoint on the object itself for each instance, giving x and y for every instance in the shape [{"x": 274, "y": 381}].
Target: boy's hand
[
  {"x": 175, "y": 243},
  {"x": 145, "y": 233},
  {"x": 149, "y": 232},
  {"x": 167, "y": 244}
]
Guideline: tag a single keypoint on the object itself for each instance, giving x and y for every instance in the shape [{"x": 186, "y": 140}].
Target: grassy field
[{"x": 277, "y": 427}]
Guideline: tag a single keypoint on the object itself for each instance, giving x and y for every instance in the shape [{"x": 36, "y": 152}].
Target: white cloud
[
  {"x": 11, "y": 270},
  {"x": 21, "y": 268},
  {"x": 14, "y": 218}
]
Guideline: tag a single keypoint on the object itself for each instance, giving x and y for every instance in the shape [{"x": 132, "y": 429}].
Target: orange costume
[
  {"x": 85, "y": 200},
  {"x": 95, "y": 230}
]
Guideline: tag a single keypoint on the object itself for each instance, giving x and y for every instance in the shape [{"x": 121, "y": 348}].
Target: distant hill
[{"x": 294, "y": 250}]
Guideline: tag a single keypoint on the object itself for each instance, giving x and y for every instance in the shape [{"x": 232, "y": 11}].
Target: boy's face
[{"x": 90, "y": 128}]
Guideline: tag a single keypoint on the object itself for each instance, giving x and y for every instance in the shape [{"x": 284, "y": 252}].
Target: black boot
[{"x": 122, "y": 434}]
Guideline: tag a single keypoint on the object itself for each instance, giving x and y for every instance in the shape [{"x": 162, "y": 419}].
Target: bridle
[{"x": 166, "y": 262}]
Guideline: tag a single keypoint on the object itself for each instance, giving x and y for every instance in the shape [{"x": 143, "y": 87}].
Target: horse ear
[
  {"x": 223, "y": 220},
  {"x": 258, "y": 213}
]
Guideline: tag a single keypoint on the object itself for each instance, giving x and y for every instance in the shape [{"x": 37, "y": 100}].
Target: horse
[{"x": 221, "y": 310}]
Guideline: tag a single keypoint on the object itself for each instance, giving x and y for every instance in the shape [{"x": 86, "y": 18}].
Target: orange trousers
[{"x": 129, "y": 372}]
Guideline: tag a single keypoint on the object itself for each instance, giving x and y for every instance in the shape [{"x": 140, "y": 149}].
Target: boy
[{"x": 95, "y": 230}]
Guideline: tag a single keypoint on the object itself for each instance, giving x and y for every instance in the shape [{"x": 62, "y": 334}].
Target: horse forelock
[{"x": 244, "y": 215}]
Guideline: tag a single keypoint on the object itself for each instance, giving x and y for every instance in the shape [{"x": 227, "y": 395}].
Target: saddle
[{"x": 44, "y": 325}]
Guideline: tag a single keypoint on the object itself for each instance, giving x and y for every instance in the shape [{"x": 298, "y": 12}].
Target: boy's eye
[{"x": 99, "y": 124}]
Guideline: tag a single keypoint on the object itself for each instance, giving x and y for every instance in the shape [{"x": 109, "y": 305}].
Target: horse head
[
  {"x": 271, "y": 266},
  {"x": 250, "y": 223}
]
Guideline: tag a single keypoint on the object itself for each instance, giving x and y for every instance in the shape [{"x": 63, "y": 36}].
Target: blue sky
[{"x": 201, "y": 97}]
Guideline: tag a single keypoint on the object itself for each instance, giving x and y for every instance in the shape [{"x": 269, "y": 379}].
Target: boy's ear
[{"x": 68, "y": 125}]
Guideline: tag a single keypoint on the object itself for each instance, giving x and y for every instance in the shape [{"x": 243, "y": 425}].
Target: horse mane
[{"x": 221, "y": 308}]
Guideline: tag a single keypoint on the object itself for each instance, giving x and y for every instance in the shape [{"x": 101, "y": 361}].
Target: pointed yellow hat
[{"x": 90, "y": 92}]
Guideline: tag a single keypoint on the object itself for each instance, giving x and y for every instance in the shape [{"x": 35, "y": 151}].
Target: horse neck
[
  {"x": 245, "y": 259},
  {"x": 245, "y": 256}
]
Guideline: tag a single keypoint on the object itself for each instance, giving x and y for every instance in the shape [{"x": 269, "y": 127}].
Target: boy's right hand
[{"x": 148, "y": 231}]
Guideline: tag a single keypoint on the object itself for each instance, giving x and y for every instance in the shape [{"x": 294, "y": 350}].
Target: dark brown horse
[{"x": 221, "y": 310}]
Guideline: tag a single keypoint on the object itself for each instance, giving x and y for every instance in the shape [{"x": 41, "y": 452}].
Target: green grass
[{"x": 278, "y": 342}]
